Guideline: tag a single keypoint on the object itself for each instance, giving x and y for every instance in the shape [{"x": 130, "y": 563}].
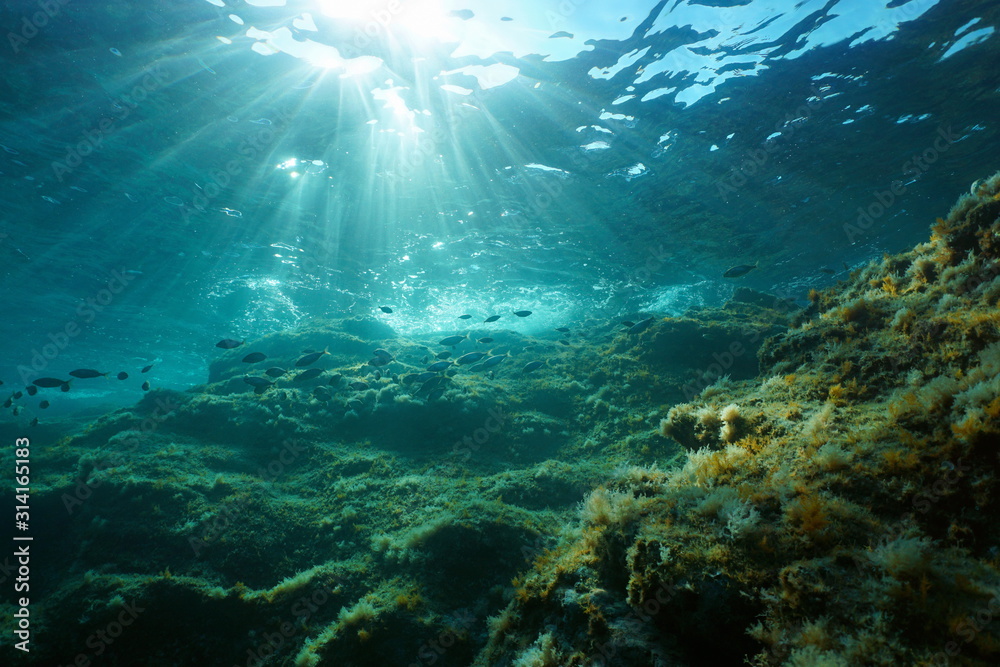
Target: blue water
[{"x": 174, "y": 173}]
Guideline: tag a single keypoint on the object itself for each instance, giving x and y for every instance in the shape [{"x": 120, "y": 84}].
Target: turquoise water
[
  {"x": 250, "y": 167},
  {"x": 307, "y": 175}
]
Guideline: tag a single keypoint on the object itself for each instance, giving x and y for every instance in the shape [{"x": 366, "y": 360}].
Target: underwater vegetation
[{"x": 754, "y": 484}]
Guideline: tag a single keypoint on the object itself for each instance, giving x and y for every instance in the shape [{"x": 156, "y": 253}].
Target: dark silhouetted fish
[
  {"x": 493, "y": 361},
  {"x": 10, "y": 401},
  {"x": 145, "y": 385},
  {"x": 383, "y": 353},
  {"x": 436, "y": 393},
  {"x": 34, "y": 422},
  {"x": 564, "y": 341},
  {"x": 307, "y": 375},
  {"x": 46, "y": 383},
  {"x": 355, "y": 405},
  {"x": 358, "y": 386},
  {"x": 827, "y": 270},
  {"x": 484, "y": 340},
  {"x": 228, "y": 343},
  {"x": 522, "y": 313},
  {"x": 378, "y": 361},
  {"x": 452, "y": 341},
  {"x": 84, "y": 373},
  {"x": 322, "y": 393},
  {"x": 465, "y": 317},
  {"x": 385, "y": 309},
  {"x": 64, "y": 387},
  {"x": 256, "y": 381},
  {"x": 123, "y": 375},
  {"x": 254, "y": 357},
  {"x": 438, "y": 366},
  {"x": 491, "y": 318},
  {"x": 737, "y": 271},
  {"x": 470, "y": 358},
  {"x": 425, "y": 376},
  {"x": 310, "y": 358},
  {"x": 639, "y": 327},
  {"x": 146, "y": 369},
  {"x": 18, "y": 394},
  {"x": 16, "y": 411},
  {"x": 274, "y": 371},
  {"x": 31, "y": 390},
  {"x": 563, "y": 329},
  {"x": 335, "y": 379},
  {"x": 443, "y": 355},
  {"x": 531, "y": 366},
  {"x": 628, "y": 324},
  {"x": 43, "y": 405}
]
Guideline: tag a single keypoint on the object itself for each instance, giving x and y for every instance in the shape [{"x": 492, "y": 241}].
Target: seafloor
[{"x": 755, "y": 484}]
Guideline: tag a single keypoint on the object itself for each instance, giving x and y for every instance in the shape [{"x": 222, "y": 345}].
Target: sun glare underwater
[{"x": 518, "y": 334}]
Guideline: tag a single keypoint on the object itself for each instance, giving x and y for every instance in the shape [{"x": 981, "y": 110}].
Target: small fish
[
  {"x": 378, "y": 361},
  {"x": 228, "y": 343},
  {"x": 146, "y": 369},
  {"x": 358, "y": 385},
  {"x": 563, "y": 329},
  {"x": 145, "y": 385},
  {"x": 433, "y": 382},
  {"x": 438, "y": 366},
  {"x": 737, "y": 271},
  {"x": 470, "y": 358},
  {"x": 493, "y": 361},
  {"x": 443, "y": 355},
  {"x": 64, "y": 387},
  {"x": 16, "y": 411},
  {"x": 484, "y": 340},
  {"x": 827, "y": 270},
  {"x": 435, "y": 393},
  {"x": 465, "y": 317},
  {"x": 564, "y": 341},
  {"x": 87, "y": 373},
  {"x": 17, "y": 395},
  {"x": 425, "y": 376},
  {"x": 382, "y": 353},
  {"x": 491, "y": 318},
  {"x": 31, "y": 390},
  {"x": 310, "y": 358},
  {"x": 274, "y": 371},
  {"x": 531, "y": 366},
  {"x": 43, "y": 405},
  {"x": 256, "y": 381},
  {"x": 123, "y": 375},
  {"x": 45, "y": 383},
  {"x": 385, "y": 309},
  {"x": 639, "y": 327},
  {"x": 8, "y": 402},
  {"x": 322, "y": 393},
  {"x": 628, "y": 324},
  {"x": 452, "y": 341},
  {"x": 355, "y": 405},
  {"x": 335, "y": 379},
  {"x": 254, "y": 357},
  {"x": 34, "y": 422},
  {"x": 522, "y": 313},
  {"x": 307, "y": 375},
  {"x": 378, "y": 375},
  {"x": 408, "y": 379}
]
